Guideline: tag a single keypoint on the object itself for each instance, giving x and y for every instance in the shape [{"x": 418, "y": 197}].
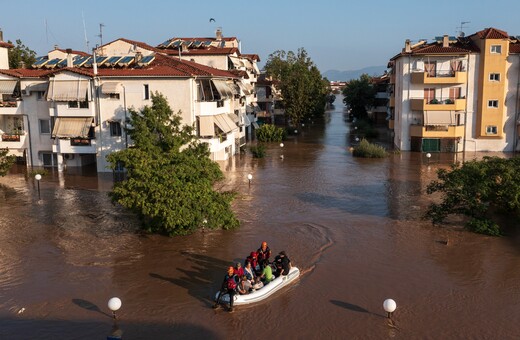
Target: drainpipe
[
  {"x": 517, "y": 117},
  {"x": 466, "y": 111}
]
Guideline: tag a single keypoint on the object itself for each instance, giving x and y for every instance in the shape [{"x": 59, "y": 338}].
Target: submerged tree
[
  {"x": 480, "y": 190},
  {"x": 170, "y": 177},
  {"x": 6, "y": 161},
  {"x": 303, "y": 89},
  {"x": 360, "y": 95},
  {"x": 20, "y": 53}
]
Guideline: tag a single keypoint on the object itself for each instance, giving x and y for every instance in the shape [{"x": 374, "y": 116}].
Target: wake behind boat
[{"x": 264, "y": 292}]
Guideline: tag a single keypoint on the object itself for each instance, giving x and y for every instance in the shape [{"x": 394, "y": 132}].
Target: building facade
[{"x": 456, "y": 93}]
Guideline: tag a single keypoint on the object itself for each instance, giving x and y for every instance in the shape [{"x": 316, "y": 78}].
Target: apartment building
[
  {"x": 68, "y": 110},
  {"x": 456, "y": 93}
]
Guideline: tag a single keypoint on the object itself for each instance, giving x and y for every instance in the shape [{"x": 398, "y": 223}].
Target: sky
[{"x": 337, "y": 34}]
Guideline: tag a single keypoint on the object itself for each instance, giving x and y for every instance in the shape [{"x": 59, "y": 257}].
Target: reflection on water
[{"x": 353, "y": 226}]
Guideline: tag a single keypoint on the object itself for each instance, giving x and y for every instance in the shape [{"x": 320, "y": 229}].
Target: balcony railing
[
  {"x": 431, "y": 131},
  {"x": 420, "y": 104},
  {"x": 440, "y": 77},
  {"x": 80, "y": 142},
  {"x": 6, "y": 137}
]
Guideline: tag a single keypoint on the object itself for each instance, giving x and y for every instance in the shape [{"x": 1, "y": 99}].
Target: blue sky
[{"x": 341, "y": 35}]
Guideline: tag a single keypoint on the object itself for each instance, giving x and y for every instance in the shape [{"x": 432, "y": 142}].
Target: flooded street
[{"x": 353, "y": 226}]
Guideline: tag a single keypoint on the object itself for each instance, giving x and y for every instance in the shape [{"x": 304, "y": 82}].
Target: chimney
[
  {"x": 21, "y": 64},
  {"x": 55, "y": 47},
  {"x": 138, "y": 57},
  {"x": 407, "y": 46},
  {"x": 184, "y": 47},
  {"x": 69, "y": 57},
  {"x": 445, "y": 41},
  {"x": 219, "y": 34}
]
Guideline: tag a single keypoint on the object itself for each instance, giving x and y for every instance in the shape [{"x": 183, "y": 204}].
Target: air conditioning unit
[
  {"x": 26, "y": 92},
  {"x": 68, "y": 156}
]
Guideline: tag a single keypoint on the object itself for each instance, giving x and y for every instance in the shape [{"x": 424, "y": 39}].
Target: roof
[
  {"x": 133, "y": 42},
  {"x": 6, "y": 44},
  {"x": 491, "y": 33},
  {"x": 514, "y": 47},
  {"x": 205, "y": 51},
  {"x": 81, "y": 53},
  {"x": 463, "y": 45},
  {"x": 251, "y": 56},
  {"x": 26, "y": 73},
  {"x": 201, "y": 39}
]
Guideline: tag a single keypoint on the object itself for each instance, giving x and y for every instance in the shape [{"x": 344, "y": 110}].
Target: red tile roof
[
  {"x": 6, "y": 44},
  {"x": 492, "y": 33},
  {"x": 204, "y": 51},
  {"x": 251, "y": 56},
  {"x": 204, "y": 39},
  {"x": 439, "y": 49},
  {"x": 26, "y": 73},
  {"x": 514, "y": 47}
]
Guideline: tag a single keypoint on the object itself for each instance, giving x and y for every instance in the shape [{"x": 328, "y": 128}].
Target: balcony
[
  {"x": 419, "y": 104},
  {"x": 437, "y": 131},
  {"x": 64, "y": 109},
  {"x": 10, "y": 107},
  {"x": 12, "y": 141},
  {"x": 457, "y": 77},
  {"x": 75, "y": 145},
  {"x": 214, "y": 108}
]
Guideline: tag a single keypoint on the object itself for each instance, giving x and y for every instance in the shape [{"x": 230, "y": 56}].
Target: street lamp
[
  {"x": 38, "y": 177},
  {"x": 249, "y": 177},
  {"x": 428, "y": 156},
  {"x": 389, "y": 306},
  {"x": 281, "y": 145},
  {"x": 114, "y": 304}
]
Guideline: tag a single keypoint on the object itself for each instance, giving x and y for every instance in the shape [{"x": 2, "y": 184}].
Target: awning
[
  {"x": 234, "y": 117},
  {"x": 236, "y": 62},
  {"x": 255, "y": 124},
  {"x": 247, "y": 122},
  {"x": 224, "y": 123},
  {"x": 244, "y": 88},
  {"x": 69, "y": 90},
  {"x": 439, "y": 118},
  {"x": 222, "y": 88},
  {"x": 7, "y": 86},
  {"x": 111, "y": 87},
  {"x": 206, "y": 126},
  {"x": 71, "y": 127},
  {"x": 37, "y": 87}
]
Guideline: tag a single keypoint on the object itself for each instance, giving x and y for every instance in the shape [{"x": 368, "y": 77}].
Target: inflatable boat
[{"x": 265, "y": 291}]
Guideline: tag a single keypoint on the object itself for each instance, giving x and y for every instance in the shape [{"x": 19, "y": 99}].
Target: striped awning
[
  {"x": 37, "y": 87},
  {"x": 246, "y": 120},
  {"x": 69, "y": 90},
  {"x": 223, "y": 89},
  {"x": 66, "y": 127},
  {"x": 206, "y": 126},
  {"x": 245, "y": 89},
  {"x": 235, "y": 118},
  {"x": 440, "y": 118},
  {"x": 111, "y": 87},
  {"x": 224, "y": 123},
  {"x": 7, "y": 86}
]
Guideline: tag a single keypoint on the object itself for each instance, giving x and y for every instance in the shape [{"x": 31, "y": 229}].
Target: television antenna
[
  {"x": 461, "y": 27},
  {"x": 85, "y": 30},
  {"x": 100, "y": 35}
]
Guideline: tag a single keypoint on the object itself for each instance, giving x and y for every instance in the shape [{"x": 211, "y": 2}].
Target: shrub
[
  {"x": 270, "y": 133},
  {"x": 368, "y": 150},
  {"x": 483, "y": 226},
  {"x": 258, "y": 151}
]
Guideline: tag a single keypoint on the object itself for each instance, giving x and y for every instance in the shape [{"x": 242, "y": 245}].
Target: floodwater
[{"x": 353, "y": 226}]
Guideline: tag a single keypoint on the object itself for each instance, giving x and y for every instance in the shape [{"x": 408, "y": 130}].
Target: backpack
[{"x": 231, "y": 284}]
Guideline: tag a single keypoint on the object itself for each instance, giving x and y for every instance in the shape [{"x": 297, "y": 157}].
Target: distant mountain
[{"x": 335, "y": 75}]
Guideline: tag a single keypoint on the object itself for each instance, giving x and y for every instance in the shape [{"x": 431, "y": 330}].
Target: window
[
  {"x": 113, "y": 95},
  {"x": 491, "y": 130},
  {"x": 76, "y": 105},
  {"x": 45, "y": 126},
  {"x": 40, "y": 95},
  {"x": 115, "y": 129},
  {"x": 49, "y": 159},
  {"x": 493, "y": 103},
  {"x": 146, "y": 91},
  {"x": 494, "y": 76},
  {"x": 496, "y": 49}
]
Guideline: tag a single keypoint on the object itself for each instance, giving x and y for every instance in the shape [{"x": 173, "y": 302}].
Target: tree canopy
[
  {"x": 20, "y": 53},
  {"x": 303, "y": 89},
  {"x": 170, "y": 178},
  {"x": 480, "y": 190},
  {"x": 5, "y": 161},
  {"x": 360, "y": 94}
]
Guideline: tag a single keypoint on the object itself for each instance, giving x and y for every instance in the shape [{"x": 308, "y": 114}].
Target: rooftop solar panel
[
  {"x": 40, "y": 62},
  {"x": 176, "y": 43},
  {"x": 112, "y": 60},
  {"x": 53, "y": 62},
  {"x": 146, "y": 60},
  {"x": 125, "y": 61},
  {"x": 166, "y": 43},
  {"x": 79, "y": 61},
  {"x": 99, "y": 59}
]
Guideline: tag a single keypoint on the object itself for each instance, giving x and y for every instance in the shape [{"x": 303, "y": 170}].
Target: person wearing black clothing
[
  {"x": 229, "y": 286},
  {"x": 282, "y": 263}
]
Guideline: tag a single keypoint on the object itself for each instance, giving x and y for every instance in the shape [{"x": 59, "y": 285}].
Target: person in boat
[
  {"x": 267, "y": 275},
  {"x": 253, "y": 258},
  {"x": 283, "y": 264},
  {"x": 245, "y": 286},
  {"x": 239, "y": 271},
  {"x": 229, "y": 286},
  {"x": 249, "y": 272},
  {"x": 258, "y": 283},
  {"x": 263, "y": 254}
]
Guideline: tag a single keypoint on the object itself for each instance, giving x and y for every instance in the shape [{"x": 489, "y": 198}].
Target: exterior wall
[
  {"x": 121, "y": 48},
  {"x": 491, "y": 90},
  {"x": 215, "y": 61},
  {"x": 512, "y": 103},
  {"x": 4, "y": 59}
]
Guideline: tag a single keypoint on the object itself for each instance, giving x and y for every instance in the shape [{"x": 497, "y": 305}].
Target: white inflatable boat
[{"x": 265, "y": 291}]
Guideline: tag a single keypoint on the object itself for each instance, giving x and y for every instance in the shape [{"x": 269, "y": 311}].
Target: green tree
[
  {"x": 170, "y": 178},
  {"x": 6, "y": 162},
  {"x": 20, "y": 53},
  {"x": 480, "y": 190},
  {"x": 303, "y": 89},
  {"x": 360, "y": 94}
]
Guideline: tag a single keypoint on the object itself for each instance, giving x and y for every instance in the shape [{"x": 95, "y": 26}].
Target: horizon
[{"x": 325, "y": 31}]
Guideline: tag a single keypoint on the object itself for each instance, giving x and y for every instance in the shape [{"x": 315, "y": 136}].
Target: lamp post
[
  {"x": 389, "y": 306},
  {"x": 249, "y": 177},
  {"x": 38, "y": 177},
  {"x": 428, "y": 156},
  {"x": 281, "y": 145},
  {"x": 114, "y": 304}
]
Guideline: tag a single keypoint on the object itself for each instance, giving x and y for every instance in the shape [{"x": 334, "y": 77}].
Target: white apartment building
[{"x": 69, "y": 111}]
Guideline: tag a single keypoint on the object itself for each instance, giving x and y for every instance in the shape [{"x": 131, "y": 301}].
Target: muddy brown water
[{"x": 353, "y": 226}]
